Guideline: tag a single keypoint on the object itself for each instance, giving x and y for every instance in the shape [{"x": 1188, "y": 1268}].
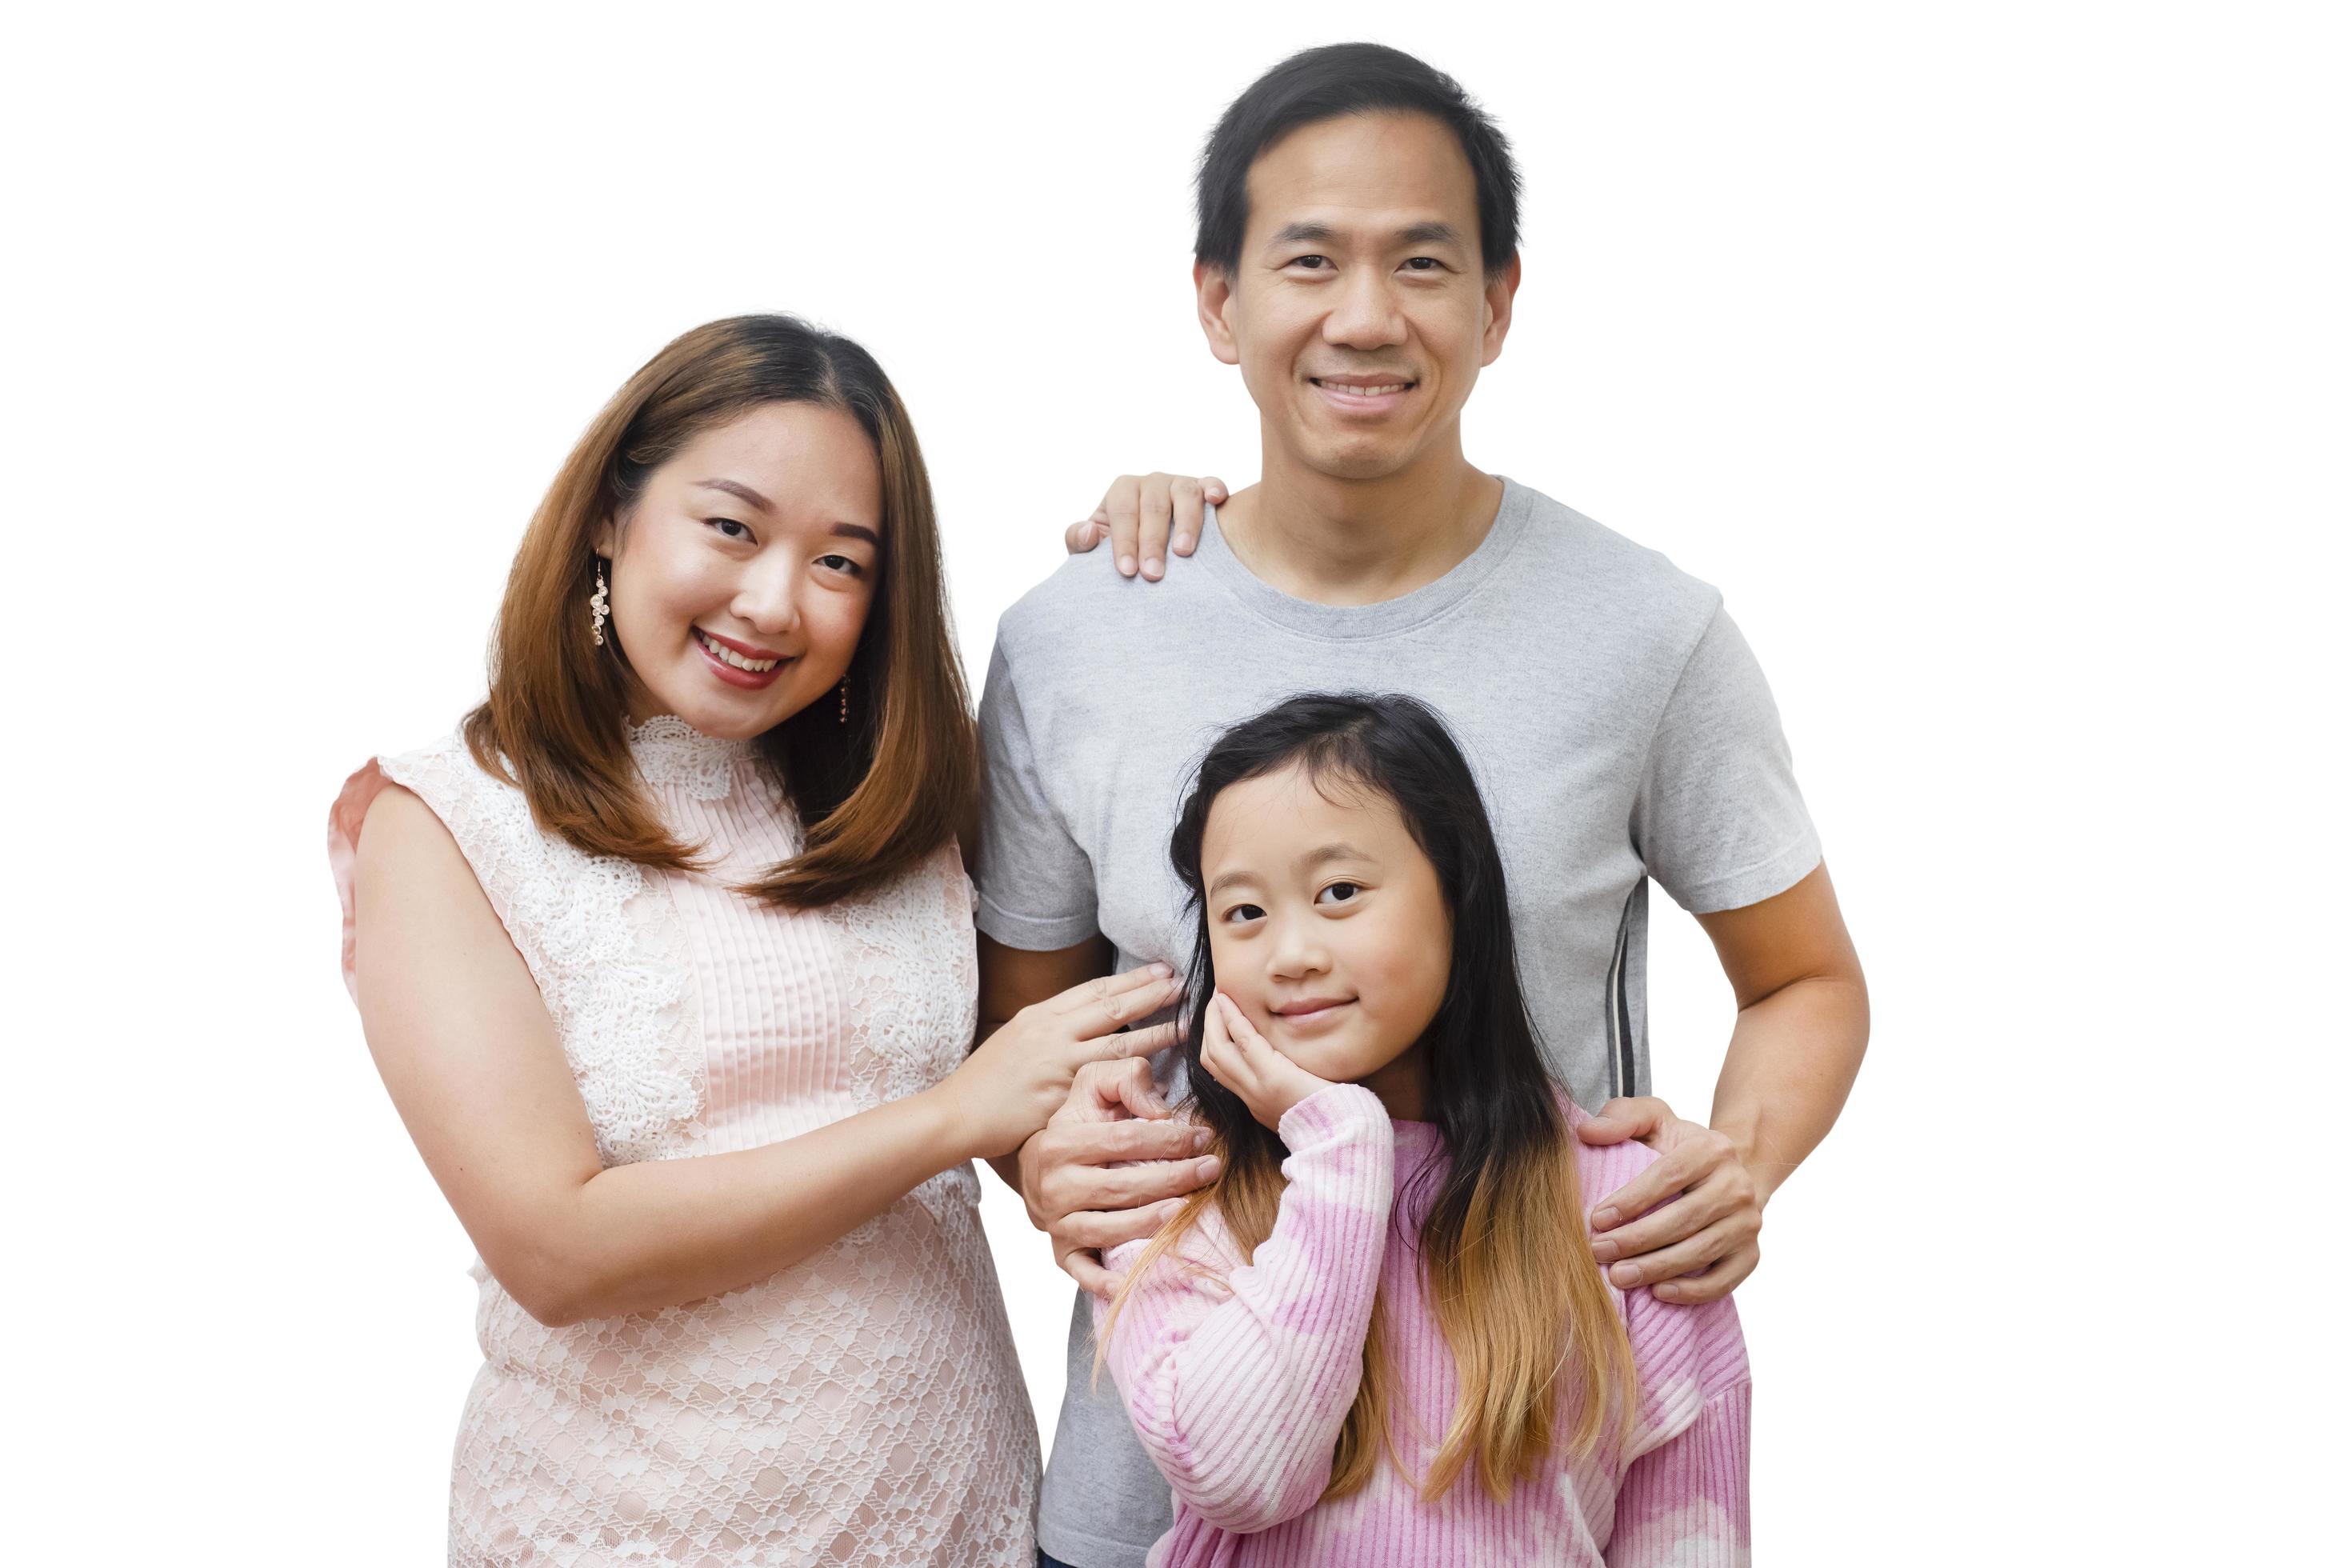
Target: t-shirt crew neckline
[{"x": 1389, "y": 616}]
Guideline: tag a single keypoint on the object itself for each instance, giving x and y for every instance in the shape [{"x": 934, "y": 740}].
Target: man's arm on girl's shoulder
[{"x": 1804, "y": 1021}]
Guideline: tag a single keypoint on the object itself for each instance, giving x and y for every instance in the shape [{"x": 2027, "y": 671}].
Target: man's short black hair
[{"x": 1316, "y": 85}]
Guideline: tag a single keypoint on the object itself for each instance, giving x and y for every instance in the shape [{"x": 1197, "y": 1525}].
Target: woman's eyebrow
[{"x": 740, "y": 492}]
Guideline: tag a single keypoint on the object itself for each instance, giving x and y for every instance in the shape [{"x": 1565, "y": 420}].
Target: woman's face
[
  {"x": 742, "y": 578},
  {"x": 1327, "y": 926}
]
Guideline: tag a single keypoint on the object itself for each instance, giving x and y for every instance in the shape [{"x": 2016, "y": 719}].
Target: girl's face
[
  {"x": 1327, "y": 926},
  {"x": 742, "y": 578}
]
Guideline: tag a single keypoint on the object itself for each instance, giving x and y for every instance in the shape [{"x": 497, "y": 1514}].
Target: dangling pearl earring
[
  {"x": 599, "y": 607},
  {"x": 845, "y": 700}
]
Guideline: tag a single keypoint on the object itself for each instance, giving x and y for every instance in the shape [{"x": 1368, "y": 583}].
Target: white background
[{"x": 1992, "y": 360}]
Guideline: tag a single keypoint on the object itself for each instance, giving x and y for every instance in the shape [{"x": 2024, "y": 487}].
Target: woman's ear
[{"x": 606, "y": 539}]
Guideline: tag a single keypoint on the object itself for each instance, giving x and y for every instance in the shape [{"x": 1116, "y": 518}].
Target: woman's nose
[{"x": 768, "y": 598}]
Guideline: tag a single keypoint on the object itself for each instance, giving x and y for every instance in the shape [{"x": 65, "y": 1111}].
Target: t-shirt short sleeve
[
  {"x": 1036, "y": 884},
  {"x": 1718, "y": 820}
]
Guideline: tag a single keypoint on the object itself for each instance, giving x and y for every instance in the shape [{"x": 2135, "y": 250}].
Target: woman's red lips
[{"x": 748, "y": 650}]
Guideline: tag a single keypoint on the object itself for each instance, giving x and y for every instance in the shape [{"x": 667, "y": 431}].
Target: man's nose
[{"x": 1365, "y": 315}]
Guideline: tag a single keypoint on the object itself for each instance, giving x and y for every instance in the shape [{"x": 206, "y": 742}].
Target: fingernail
[
  {"x": 1207, "y": 1169},
  {"x": 1202, "y": 1137},
  {"x": 1151, "y": 568},
  {"x": 1605, "y": 1250},
  {"x": 1161, "y": 970},
  {"x": 1126, "y": 565},
  {"x": 1184, "y": 542},
  {"x": 1603, "y": 1219},
  {"x": 1625, "y": 1274}
]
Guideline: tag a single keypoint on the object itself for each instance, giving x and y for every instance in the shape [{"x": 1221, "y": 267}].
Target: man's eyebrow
[
  {"x": 1429, "y": 234},
  {"x": 1433, "y": 232},
  {"x": 1302, "y": 233},
  {"x": 741, "y": 492}
]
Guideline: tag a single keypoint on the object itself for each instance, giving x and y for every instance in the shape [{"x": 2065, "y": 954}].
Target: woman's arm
[
  {"x": 1238, "y": 1392},
  {"x": 473, "y": 1065}
]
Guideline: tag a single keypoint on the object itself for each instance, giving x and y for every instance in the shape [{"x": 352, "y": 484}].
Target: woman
[{"x": 667, "y": 960}]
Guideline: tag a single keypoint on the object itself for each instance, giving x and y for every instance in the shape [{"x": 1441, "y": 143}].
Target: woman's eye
[
  {"x": 840, "y": 563},
  {"x": 730, "y": 529},
  {"x": 1241, "y": 912},
  {"x": 1338, "y": 893}
]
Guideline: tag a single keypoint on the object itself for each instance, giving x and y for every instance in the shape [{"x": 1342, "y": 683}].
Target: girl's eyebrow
[
  {"x": 1322, "y": 855},
  {"x": 1329, "y": 852}
]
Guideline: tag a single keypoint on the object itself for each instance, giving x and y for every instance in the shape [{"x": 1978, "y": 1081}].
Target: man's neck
[{"x": 1359, "y": 541}]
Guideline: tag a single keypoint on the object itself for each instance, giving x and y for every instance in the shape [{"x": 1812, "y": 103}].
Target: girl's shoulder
[{"x": 1601, "y": 1168}]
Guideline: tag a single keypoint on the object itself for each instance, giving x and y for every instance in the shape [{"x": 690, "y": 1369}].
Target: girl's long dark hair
[{"x": 1521, "y": 1303}]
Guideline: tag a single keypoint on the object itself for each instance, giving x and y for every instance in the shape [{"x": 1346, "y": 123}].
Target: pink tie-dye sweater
[{"x": 1238, "y": 1381}]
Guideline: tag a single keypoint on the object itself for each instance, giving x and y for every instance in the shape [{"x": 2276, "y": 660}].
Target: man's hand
[
  {"x": 1710, "y": 1224},
  {"x": 1111, "y": 1166},
  {"x": 1143, "y": 515}
]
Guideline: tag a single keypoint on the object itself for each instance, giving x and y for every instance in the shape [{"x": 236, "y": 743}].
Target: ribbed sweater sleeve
[
  {"x": 1684, "y": 1502},
  {"x": 1238, "y": 1376}
]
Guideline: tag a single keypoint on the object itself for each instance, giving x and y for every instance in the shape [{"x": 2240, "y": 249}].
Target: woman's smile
[{"x": 740, "y": 664}]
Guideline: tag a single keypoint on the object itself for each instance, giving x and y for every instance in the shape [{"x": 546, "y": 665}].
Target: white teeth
[
  {"x": 756, "y": 666},
  {"x": 1368, "y": 391}
]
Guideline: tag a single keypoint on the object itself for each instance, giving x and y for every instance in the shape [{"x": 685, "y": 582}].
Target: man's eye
[
  {"x": 1241, "y": 912},
  {"x": 1339, "y": 893},
  {"x": 1424, "y": 264},
  {"x": 729, "y": 528},
  {"x": 1313, "y": 263}
]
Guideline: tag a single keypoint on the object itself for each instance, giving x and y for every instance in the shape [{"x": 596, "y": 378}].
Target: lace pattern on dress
[{"x": 610, "y": 965}]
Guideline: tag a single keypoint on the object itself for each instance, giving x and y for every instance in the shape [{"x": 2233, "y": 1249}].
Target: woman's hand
[
  {"x": 1021, "y": 1075},
  {"x": 1143, "y": 515},
  {"x": 1238, "y": 1056}
]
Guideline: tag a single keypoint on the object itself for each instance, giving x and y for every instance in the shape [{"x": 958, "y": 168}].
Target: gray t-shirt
[{"x": 1618, "y": 725}]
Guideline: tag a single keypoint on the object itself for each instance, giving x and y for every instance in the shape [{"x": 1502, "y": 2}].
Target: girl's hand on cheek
[{"x": 1241, "y": 1060}]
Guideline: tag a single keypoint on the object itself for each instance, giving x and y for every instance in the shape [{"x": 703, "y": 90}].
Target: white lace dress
[{"x": 863, "y": 1407}]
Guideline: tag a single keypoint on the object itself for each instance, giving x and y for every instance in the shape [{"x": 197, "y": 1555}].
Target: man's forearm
[{"x": 1792, "y": 1058}]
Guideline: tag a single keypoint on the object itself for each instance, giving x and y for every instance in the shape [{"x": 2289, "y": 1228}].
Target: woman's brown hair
[
  {"x": 877, "y": 795},
  {"x": 1523, "y": 1307}
]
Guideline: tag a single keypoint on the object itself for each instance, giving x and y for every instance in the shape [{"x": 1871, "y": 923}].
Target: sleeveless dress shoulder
[{"x": 865, "y": 1406}]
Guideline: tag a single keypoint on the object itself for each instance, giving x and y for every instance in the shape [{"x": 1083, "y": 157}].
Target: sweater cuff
[{"x": 1332, "y": 1112}]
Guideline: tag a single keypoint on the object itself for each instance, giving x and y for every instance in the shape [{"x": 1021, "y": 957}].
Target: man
[{"x": 1357, "y": 258}]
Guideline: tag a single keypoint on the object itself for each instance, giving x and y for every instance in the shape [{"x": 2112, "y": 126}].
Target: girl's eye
[
  {"x": 841, "y": 563},
  {"x": 730, "y": 529},
  {"x": 1341, "y": 893},
  {"x": 1241, "y": 912}
]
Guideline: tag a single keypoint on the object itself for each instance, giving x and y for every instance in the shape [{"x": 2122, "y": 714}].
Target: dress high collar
[{"x": 669, "y": 750}]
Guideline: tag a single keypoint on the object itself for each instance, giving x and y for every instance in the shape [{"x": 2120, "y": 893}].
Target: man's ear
[
  {"x": 1501, "y": 290},
  {"x": 1214, "y": 287}
]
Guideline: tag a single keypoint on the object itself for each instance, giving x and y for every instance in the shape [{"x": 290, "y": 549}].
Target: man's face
[{"x": 1360, "y": 312}]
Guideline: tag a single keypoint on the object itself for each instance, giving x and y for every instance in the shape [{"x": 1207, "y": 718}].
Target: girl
[
  {"x": 667, "y": 960},
  {"x": 1380, "y": 1336}
]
